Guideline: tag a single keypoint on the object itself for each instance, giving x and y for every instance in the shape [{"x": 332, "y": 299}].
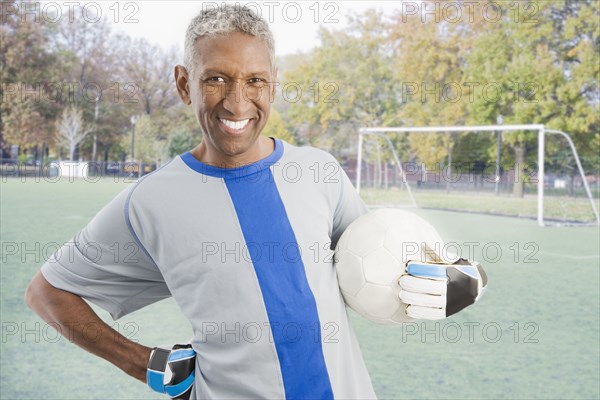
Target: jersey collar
[{"x": 238, "y": 172}]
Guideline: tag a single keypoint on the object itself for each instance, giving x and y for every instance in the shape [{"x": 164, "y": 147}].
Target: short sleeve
[
  {"x": 349, "y": 207},
  {"x": 107, "y": 265}
]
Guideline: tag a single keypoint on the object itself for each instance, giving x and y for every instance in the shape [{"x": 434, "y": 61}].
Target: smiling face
[{"x": 230, "y": 91}]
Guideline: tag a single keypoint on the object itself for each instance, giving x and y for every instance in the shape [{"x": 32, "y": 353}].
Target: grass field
[
  {"x": 535, "y": 333},
  {"x": 556, "y": 208}
]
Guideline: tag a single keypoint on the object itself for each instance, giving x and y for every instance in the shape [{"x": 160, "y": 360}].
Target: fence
[{"x": 82, "y": 169}]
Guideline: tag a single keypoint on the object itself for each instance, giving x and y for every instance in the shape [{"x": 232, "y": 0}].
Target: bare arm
[{"x": 74, "y": 315}]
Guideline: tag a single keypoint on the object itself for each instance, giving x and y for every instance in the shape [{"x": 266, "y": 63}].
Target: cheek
[
  {"x": 264, "y": 103},
  {"x": 204, "y": 98},
  {"x": 203, "y": 106},
  {"x": 266, "y": 113},
  {"x": 202, "y": 116}
]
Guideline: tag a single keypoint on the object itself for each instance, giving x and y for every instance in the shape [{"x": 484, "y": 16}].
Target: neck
[{"x": 262, "y": 148}]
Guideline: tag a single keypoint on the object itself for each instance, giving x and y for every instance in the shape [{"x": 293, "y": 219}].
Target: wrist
[{"x": 138, "y": 362}]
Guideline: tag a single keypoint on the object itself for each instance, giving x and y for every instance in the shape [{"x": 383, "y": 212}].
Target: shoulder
[
  {"x": 306, "y": 154},
  {"x": 161, "y": 184}
]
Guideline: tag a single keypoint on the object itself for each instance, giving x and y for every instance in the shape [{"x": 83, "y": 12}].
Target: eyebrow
[{"x": 209, "y": 72}]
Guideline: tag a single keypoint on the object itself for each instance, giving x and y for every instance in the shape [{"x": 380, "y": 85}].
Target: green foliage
[
  {"x": 26, "y": 62},
  {"x": 76, "y": 63},
  {"x": 346, "y": 82},
  {"x": 378, "y": 70},
  {"x": 179, "y": 143},
  {"x": 277, "y": 128}
]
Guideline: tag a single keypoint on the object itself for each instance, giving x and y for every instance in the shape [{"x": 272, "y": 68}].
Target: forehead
[{"x": 232, "y": 51}]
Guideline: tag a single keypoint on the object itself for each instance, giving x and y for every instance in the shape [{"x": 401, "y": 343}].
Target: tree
[
  {"x": 576, "y": 40},
  {"x": 151, "y": 70},
  {"x": 24, "y": 125},
  {"x": 276, "y": 128},
  {"x": 336, "y": 81},
  {"x": 344, "y": 83},
  {"x": 514, "y": 73},
  {"x": 28, "y": 66},
  {"x": 179, "y": 143},
  {"x": 90, "y": 55},
  {"x": 546, "y": 71},
  {"x": 430, "y": 57},
  {"x": 71, "y": 129}
]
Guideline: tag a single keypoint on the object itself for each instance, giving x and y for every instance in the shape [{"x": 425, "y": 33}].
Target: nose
[{"x": 236, "y": 101}]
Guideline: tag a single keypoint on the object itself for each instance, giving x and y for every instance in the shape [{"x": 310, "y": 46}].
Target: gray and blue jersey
[{"x": 247, "y": 255}]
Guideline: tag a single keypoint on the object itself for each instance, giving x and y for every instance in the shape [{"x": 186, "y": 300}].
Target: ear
[{"x": 183, "y": 84}]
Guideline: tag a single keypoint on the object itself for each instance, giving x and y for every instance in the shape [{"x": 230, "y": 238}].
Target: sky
[{"x": 294, "y": 24}]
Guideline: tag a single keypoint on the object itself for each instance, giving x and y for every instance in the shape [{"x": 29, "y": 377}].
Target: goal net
[{"x": 524, "y": 171}]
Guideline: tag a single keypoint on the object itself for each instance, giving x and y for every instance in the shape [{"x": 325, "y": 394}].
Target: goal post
[
  {"x": 396, "y": 159},
  {"x": 579, "y": 167},
  {"x": 542, "y": 131}
]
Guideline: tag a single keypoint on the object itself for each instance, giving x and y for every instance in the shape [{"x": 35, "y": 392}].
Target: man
[{"x": 239, "y": 230}]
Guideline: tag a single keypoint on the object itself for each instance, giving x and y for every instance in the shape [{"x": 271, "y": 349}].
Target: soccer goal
[{"x": 553, "y": 188}]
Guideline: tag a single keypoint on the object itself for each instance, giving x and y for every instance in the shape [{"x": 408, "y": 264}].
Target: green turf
[
  {"x": 557, "y": 208},
  {"x": 547, "y": 310}
]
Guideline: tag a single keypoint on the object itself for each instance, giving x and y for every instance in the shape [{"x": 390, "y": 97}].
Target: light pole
[
  {"x": 499, "y": 120},
  {"x": 133, "y": 119},
  {"x": 94, "y": 148}
]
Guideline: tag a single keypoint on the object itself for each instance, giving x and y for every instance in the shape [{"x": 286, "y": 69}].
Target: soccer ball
[{"x": 371, "y": 256}]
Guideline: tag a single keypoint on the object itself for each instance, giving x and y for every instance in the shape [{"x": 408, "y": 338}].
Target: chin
[{"x": 236, "y": 146}]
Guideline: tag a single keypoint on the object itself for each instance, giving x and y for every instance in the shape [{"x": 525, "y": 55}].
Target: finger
[
  {"x": 182, "y": 363},
  {"x": 183, "y": 389},
  {"x": 422, "y": 299},
  {"x": 418, "y": 312},
  {"x": 422, "y": 285},
  {"x": 181, "y": 354},
  {"x": 430, "y": 271}
]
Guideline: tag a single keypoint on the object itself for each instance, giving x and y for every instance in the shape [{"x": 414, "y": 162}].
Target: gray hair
[{"x": 221, "y": 21}]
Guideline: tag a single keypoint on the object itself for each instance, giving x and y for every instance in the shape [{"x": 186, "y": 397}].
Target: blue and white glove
[
  {"x": 171, "y": 370},
  {"x": 436, "y": 291}
]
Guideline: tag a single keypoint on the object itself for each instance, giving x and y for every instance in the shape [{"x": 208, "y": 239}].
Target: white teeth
[{"x": 237, "y": 125}]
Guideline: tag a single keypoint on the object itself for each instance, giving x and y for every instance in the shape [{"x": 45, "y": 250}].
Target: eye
[
  {"x": 214, "y": 79},
  {"x": 257, "y": 81}
]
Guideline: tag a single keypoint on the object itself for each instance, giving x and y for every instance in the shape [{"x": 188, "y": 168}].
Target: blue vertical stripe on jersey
[{"x": 288, "y": 299}]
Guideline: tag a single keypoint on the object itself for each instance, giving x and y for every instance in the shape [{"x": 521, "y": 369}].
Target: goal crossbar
[{"x": 381, "y": 131}]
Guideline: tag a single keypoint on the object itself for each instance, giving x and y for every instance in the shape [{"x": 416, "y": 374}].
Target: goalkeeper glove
[
  {"x": 171, "y": 370},
  {"x": 436, "y": 291}
]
